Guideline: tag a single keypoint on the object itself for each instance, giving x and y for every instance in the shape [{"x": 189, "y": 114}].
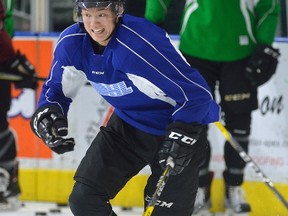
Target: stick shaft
[
  {"x": 249, "y": 161},
  {"x": 14, "y": 77},
  {"x": 161, "y": 184}
]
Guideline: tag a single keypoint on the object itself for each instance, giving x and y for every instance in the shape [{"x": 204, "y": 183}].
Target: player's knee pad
[
  {"x": 8, "y": 146},
  {"x": 239, "y": 125},
  {"x": 85, "y": 200}
]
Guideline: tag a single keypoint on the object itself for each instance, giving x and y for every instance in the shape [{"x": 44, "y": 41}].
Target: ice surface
[{"x": 52, "y": 209}]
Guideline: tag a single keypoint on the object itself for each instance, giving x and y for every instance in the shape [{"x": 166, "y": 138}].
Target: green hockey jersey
[
  {"x": 222, "y": 30},
  {"x": 9, "y": 21}
]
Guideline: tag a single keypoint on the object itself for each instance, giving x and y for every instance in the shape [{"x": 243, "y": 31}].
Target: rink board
[
  {"x": 55, "y": 186},
  {"x": 46, "y": 176}
]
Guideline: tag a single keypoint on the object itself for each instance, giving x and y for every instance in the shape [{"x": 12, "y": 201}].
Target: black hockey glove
[
  {"x": 51, "y": 126},
  {"x": 179, "y": 144},
  {"x": 262, "y": 64},
  {"x": 21, "y": 72}
]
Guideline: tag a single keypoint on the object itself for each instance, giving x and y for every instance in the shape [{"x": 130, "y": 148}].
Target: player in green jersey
[{"x": 230, "y": 43}]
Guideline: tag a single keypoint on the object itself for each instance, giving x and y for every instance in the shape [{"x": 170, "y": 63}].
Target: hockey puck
[
  {"x": 40, "y": 213},
  {"x": 62, "y": 204},
  {"x": 126, "y": 208},
  {"x": 55, "y": 210}
]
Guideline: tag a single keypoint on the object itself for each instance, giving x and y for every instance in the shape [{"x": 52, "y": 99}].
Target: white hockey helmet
[{"x": 117, "y": 7}]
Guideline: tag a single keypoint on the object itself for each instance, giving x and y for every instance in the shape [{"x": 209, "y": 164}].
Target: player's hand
[
  {"x": 179, "y": 144},
  {"x": 262, "y": 64},
  {"x": 51, "y": 126},
  {"x": 20, "y": 66}
]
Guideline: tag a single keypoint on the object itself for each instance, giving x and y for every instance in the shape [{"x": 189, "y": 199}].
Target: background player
[
  {"x": 11, "y": 63},
  {"x": 233, "y": 52}
]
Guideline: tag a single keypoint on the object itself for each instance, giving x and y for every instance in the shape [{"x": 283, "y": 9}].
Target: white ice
[{"x": 52, "y": 209}]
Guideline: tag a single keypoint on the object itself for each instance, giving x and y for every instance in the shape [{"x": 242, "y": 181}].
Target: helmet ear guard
[{"x": 117, "y": 7}]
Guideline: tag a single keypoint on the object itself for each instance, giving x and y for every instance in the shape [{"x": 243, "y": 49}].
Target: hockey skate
[
  {"x": 202, "y": 202},
  {"x": 235, "y": 202},
  {"x": 9, "y": 191}
]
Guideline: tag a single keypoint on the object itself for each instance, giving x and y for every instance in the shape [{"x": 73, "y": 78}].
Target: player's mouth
[{"x": 98, "y": 31}]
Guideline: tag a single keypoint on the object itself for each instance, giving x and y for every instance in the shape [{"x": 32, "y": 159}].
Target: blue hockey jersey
[{"x": 140, "y": 73}]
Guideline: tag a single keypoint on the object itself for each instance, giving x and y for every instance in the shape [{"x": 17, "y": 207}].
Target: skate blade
[
  {"x": 4, "y": 207},
  {"x": 204, "y": 213},
  {"x": 230, "y": 212},
  {"x": 11, "y": 204}
]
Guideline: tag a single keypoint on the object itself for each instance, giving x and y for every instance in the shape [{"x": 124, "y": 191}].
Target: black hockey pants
[
  {"x": 118, "y": 153},
  {"x": 237, "y": 99}
]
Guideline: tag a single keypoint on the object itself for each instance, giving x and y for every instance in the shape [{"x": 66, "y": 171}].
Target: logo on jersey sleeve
[{"x": 150, "y": 89}]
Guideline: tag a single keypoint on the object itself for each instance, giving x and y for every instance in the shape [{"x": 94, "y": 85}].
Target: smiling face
[{"x": 99, "y": 23}]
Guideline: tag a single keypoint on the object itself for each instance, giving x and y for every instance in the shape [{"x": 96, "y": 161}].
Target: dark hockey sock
[{"x": 7, "y": 146}]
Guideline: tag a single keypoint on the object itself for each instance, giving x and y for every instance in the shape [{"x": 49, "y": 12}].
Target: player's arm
[
  {"x": 189, "y": 92},
  {"x": 264, "y": 61},
  {"x": 179, "y": 144},
  {"x": 51, "y": 125},
  {"x": 267, "y": 16},
  {"x": 156, "y": 10},
  {"x": 194, "y": 109},
  {"x": 185, "y": 89},
  {"x": 49, "y": 122},
  {"x": 20, "y": 70},
  {"x": 15, "y": 64}
]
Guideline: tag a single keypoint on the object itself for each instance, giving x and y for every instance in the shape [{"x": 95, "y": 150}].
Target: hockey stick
[
  {"x": 160, "y": 186},
  {"x": 249, "y": 161},
  {"x": 14, "y": 77}
]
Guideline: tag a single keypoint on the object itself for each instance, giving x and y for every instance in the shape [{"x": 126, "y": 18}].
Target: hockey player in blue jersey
[{"x": 161, "y": 105}]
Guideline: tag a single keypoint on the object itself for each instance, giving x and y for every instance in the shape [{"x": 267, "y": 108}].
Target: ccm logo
[
  {"x": 160, "y": 203},
  {"x": 183, "y": 138}
]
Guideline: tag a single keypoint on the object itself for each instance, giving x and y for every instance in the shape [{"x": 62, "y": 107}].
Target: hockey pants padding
[{"x": 86, "y": 201}]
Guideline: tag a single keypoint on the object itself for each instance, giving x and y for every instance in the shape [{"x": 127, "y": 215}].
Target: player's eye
[
  {"x": 102, "y": 15},
  {"x": 85, "y": 14}
]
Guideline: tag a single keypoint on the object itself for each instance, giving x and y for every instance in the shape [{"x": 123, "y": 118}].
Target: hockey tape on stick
[
  {"x": 249, "y": 161},
  {"x": 13, "y": 77},
  {"x": 160, "y": 186}
]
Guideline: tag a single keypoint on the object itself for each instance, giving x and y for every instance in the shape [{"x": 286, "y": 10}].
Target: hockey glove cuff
[
  {"x": 262, "y": 64},
  {"x": 178, "y": 144},
  {"x": 51, "y": 126}
]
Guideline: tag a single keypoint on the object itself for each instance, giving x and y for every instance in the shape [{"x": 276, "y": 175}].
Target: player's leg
[
  {"x": 9, "y": 186},
  {"x": 118, "y": 153},
  {"x": 203, "y": 198},
  {"x": 178, "y": 195},
  {"x": 239, "y": 127},
  {"x": 238, "y": 99}
]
